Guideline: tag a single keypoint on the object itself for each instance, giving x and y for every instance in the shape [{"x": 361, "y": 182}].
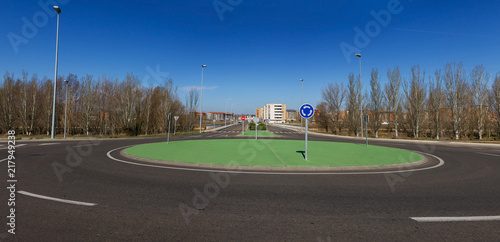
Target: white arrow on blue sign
[{"x": 306, "y": 110}]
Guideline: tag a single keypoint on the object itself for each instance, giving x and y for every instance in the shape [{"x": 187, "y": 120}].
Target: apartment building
[
  {"x": 259, "y": 113},
  {"x": 292, "y": 115},
  {"x": 276, "y": 113}
]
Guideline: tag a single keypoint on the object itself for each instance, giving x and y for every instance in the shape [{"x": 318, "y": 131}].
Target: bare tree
[
  {"x": 495, "y": 89},
  {"x": 377, "y": 101},
  {"x": 191, "y": 104},
  {"x": 88, "y": 93},
  {"x": 437, "y": 102},
  {"x": 323, "y": 118},
  {"x": 392, "y": 91},
  {"x": 416, "y": 97},
  {"x": 94, "y": 106},
  {"x": 333, "y": 96},
  {"x": 146, "y": 104},
  {"x": 22, "y": 111},
  {"x": 115, "y": 106},
  {"x": 33, "y": 94},
  {"x": 46, "y": 105},
  {"x": 169, "y": 94},
  {"x": 102, "y": 99},
  {"x": 129, "y": 97},
  {"x": 353, "y": 104},
  {"x": 479, "y": 84},
  {"x": 456, "y": 86},
  {"x": 26, "y": 102},
  {"x": 7, "y": 104},
  {"x": 157, "y": 110}
]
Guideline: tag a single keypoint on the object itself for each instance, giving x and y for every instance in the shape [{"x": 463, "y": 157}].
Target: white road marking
[
  {"x": 456, "y": 219},
  {"x": 487, "y": 154},
  {"x": 56, "y": 199},
  {"x": 441, "y": 162},
  {"x": 3, "y": 160},
  {"x": 48, "y": 144},
  {"x": 17, "y": 146},
  {"x": 87, "y": 145}
]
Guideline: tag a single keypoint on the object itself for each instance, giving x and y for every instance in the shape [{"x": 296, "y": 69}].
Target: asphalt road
[{"x": 149, "y": 203}]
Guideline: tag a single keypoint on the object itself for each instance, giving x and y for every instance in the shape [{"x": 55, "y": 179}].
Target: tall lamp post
[
  {"x": 301, "y": 97},
  {"x": 360, "y": 97},
  {"x": 231, "y": 116},
  {"x": 225, "y": 113},
  {"x": 66, "y": 107},
  {"x": 58, "y": 10},
  {"x": 201, "y": 102}
]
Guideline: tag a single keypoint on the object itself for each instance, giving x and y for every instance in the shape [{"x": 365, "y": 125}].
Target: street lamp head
[
  {"x": 66, "y": 81},
  {"x": 58, "y": 10},
  {"x": 358, "y": 55},
  {"x": 203, "y": 66},
  {"x": 229, "y": 99},
  {"x": 301, "y": 80}
]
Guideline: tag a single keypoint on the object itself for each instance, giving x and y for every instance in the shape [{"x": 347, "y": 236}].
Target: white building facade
[{"x": 276, "y": 113}]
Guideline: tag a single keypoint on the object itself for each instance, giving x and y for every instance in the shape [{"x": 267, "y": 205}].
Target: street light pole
[
  {"x": 201, "y": 102},
  {"x": 225, "y": 113},
  {"x": 58, "y": 10},
  {"x": 231, "y": 118},
  {"x": 360, "y": 97},
  {"x": 66, "y": 107},
  {"x": 301, "y": 97}
]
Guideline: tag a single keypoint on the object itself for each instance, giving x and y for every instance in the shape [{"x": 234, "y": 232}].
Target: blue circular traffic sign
[{"x": 306, "y": 110}]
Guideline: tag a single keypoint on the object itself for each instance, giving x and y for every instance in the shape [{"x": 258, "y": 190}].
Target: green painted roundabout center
[{"x": 272, "y": 152}]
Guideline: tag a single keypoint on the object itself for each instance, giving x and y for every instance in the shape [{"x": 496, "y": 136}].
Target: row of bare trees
[
  {"x": 95, "y": 106},
  {"x": 450, "y": 103}
]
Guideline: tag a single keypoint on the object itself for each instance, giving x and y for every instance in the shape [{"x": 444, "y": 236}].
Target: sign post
[
  {"x": 214, "y": 123},
  {"x": 242, "y": 125},
  {"x": 256, "y": 121},
  {"x": 367, "y": 118},
  {"x": 169, "y": 119},
  {"x": 175, "y": 123},
  {"x": 306, "y": 111}
]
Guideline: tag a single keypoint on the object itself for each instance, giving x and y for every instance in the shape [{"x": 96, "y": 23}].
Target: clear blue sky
[{"x": 255, "y": 53}]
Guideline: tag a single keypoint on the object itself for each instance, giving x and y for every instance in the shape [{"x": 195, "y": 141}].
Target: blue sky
[{"x": 256, "y": 51}]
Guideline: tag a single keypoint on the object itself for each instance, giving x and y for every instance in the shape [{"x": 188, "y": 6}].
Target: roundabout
[{"x": 270, "y": 155}]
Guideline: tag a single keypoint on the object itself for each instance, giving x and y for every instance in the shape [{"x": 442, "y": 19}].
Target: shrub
[{"x": 261, "y": 126}]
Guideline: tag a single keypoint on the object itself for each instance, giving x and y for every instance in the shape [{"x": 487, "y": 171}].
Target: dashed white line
[
  {"x": 487, "y": 154},
  {"x": 17, "y": 146},
  {"x": 57, "y": 199},
  {"x": 48, "y": 144},
  {"x": 456, "y": 219}
]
